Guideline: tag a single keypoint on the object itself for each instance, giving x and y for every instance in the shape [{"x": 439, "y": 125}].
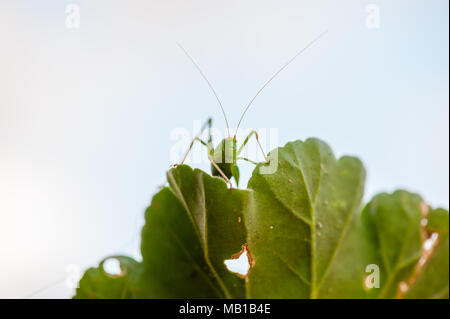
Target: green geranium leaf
[
  {"x": 394, "y": 222},
  {"x": 97, "y": 283},
  {"x": 303, "y": 226},
  {"x": 191, "y": 228},
  {"x": 300, "y": 220},
  {"x": 432, "y": 279}
]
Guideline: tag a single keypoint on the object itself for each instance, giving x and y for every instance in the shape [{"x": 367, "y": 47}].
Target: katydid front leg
[
  {"x": 257, "y": 140},
  {"x": 208, "y": 125},
  {"x": 220, "y": 172},
  {"x": 192, "y": 144}
]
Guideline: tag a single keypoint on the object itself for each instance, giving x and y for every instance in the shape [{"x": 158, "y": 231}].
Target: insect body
[{"x": 224, "y": 157}]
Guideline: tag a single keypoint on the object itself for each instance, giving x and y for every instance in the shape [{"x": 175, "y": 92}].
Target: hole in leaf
[
  {"x": 240, "y": 263},
  {"x": 403, "y": 287},
  {"x": 430, "y": 242},
  {"x": 424, "y": 222},
  {"x": 111, "y": 266}
]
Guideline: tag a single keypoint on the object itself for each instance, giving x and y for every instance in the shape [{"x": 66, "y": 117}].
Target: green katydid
[{"x": 224, "y": 157}]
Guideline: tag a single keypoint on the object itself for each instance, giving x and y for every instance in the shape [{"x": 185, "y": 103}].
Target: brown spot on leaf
[{"x": 429, "y": 243}]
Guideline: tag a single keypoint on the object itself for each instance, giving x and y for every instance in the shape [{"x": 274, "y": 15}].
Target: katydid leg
[
  {"x": 220, "y": 171},
  {"x": 246, "y": 159},
  {"x": 208, "y": 125},
  {"x": 257, "y": 140}
]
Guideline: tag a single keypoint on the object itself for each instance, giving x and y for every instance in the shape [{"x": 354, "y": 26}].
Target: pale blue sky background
[{"x": 86, "y": 115}]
